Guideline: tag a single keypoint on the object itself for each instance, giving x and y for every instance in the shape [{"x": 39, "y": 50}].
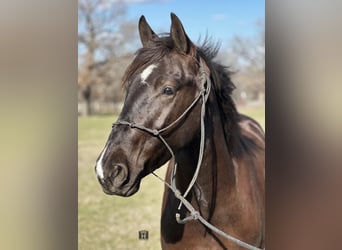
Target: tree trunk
[{"x": 87, "y": 97}]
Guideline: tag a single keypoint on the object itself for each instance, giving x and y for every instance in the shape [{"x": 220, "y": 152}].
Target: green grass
[{"x": 111, "y": 222}]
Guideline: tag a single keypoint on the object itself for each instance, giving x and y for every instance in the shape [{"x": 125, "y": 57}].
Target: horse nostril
[
  {"x": 116, "y": 171},
  {"x": 118, "y": 175}
]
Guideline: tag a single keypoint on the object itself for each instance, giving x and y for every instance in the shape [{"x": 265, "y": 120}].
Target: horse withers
[{"x": 178, "y": 107}]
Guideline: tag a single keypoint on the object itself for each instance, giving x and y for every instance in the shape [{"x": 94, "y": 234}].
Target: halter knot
[
  {"x": 155, "y": 132},
  {"x": 177, "y": 193},
  {"x": 203, "y": 76},
  {"x": 195, "y": 215}
]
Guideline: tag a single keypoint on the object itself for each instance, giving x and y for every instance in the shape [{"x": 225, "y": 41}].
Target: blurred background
[{"x": 108, "y": 38}]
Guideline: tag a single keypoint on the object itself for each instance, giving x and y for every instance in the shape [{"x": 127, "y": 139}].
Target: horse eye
[{"x": 168, "y": 91}]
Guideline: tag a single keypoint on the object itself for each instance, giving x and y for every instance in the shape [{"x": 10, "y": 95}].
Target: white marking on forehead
[
  {"x": 145, "y": 74},
  {"x": 99, "y": 167}
]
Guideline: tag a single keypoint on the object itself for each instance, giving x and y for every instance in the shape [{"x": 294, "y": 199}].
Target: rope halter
[{"x": 194, "y": 215}]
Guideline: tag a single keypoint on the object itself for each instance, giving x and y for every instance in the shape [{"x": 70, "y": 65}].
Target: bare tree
[
  {"x": 103, "y": 37},
  {"x": 247, "y": 57}
]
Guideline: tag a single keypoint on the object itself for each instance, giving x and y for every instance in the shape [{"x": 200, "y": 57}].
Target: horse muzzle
[{"x": 116, "y": 181}]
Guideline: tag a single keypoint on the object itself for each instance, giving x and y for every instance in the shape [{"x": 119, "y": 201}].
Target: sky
[{"x": 220, "y": 19}]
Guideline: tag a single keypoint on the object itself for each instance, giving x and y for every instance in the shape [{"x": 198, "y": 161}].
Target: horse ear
[
  {"x": 179, "y": 37},
  {"x": 145, "y": 31}
]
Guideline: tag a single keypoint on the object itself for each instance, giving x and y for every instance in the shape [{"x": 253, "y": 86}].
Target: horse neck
[{"x": 217, "y": 168}]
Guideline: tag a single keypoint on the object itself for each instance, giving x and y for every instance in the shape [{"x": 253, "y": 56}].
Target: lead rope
[{"x": 194, "y": 214}]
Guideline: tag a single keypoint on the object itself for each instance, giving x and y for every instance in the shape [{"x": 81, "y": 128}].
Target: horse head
[{"x": 163, "y": 85}]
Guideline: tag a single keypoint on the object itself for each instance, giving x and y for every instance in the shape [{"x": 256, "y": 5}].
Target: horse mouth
[{"x": 124, "y": 191}]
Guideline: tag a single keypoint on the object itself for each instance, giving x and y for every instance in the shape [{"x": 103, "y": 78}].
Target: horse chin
[{"x": 124, "y": 191}]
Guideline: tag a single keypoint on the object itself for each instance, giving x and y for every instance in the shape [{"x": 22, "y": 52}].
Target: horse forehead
[
  {"x": 147, "y": 72},
  {"x": 176, "y": 67},
  {"x": 168, "y": 67}
]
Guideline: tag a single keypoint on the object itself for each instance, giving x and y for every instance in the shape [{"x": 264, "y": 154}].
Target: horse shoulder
[{"x": 250, "y": 170}]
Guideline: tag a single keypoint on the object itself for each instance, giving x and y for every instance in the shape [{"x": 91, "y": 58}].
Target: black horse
[{"x": 178, "y": 106}]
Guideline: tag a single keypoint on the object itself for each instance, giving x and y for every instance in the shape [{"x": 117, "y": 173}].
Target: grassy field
[{"x": 111, "y": 222}]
